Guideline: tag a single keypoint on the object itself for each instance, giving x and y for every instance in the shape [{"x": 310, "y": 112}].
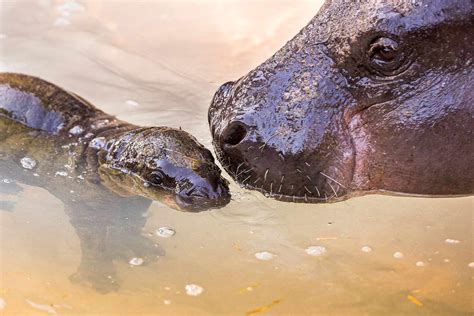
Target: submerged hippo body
[
  {"x": 105, "y": 172},
  {"x": 369, "y": 97}
]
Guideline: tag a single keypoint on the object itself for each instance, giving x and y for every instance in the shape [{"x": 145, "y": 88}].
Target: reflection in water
[{"x": 109, "y": 55}]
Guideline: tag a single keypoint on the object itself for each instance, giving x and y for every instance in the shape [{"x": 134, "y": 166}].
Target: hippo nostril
[{"x": 234, "y": 134}]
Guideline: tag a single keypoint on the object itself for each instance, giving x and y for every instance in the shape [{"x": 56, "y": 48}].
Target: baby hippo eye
[{"x": 156, "y": 177}]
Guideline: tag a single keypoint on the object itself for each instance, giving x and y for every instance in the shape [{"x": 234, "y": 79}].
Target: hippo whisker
[
  {"x": 317, "y": 191},
  {"x": 279, "y": 189},
  {"x": 332, "y": 188},
  {"x": 322, "y": 173},
  {"x": 258, "y": 179},
  {"x": 238, "y": 167},
  {"x": 265, "y": 176},
  {"x": 306, "y": 188},
  {"x": 307, "y": 164},
  {"x": 245, "y": 180},
  {"x": 266, "y": 142}
]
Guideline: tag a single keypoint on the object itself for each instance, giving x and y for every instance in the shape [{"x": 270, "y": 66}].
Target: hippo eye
[{"x": 386, "y": 56}]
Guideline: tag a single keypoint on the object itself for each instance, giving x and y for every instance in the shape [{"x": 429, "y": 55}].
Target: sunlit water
[{"x": 159, "y": 63}]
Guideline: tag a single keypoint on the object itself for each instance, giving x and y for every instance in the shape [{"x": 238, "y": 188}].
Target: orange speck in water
[
  {"x": 263, "y": 308},
  {"x": 414, "y": 300}
]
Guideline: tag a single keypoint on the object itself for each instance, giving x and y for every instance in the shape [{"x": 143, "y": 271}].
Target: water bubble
[
  {"x": 366, "y": 249},
  {"x": 76, "y": 130},
  {"x": 471, "y": 264},
  {"x": 136, "y": 261},
  {"x": 7, "y": 181},
  {"x": 398, "y": 255},
  {"x": 420, "y": 264},
  {"x": 264, "y": 255},
  {"x": 61, "y": 173},
  {"x": 28, "y": 163},
  {"x": 166, "y": 302},
  {"x": 165, "y": 232},
  {"x": 98, "y": 143},
  {"x": 315, "y": 250},
  {"x": 132, "y": 103},
  {"x": 193, "y": 289},
  {"x": 446, "y": 260},
  {"x": 452, "y": 241},
  {"x": 3, "y": 304}
]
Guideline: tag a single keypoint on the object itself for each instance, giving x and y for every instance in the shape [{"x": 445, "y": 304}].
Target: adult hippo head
[{"x": 370, "y": 96}]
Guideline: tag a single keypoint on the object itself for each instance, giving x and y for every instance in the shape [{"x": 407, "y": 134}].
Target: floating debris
[
  {"x": 165, "y": 232},
  {"x": 193, "y": 289},
  {"x": 28, "y": 163},
  {"x": 414, "y": 300},
  {"x": 315, "y": 250},
  {"x": 264, "y": 255},
  {"x": 420, "y": 264},
  {"x": 42, "y": 307},
  {"x": 366, "y": 249},
  {"x": 136, "y": 261},
  {"x": 61, "y": 174},
  {"x": 132, "y": 103},
  {"x": 263, "y": 308},
  {"x": 3, "y": 304},
  {"x": 452, "y": 241},
  {"x": 398, "y": 255},
  {"x": 76, "y": 130}
]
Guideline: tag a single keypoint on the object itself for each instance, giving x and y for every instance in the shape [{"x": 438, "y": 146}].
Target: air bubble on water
[
  {"x": 166, "y": 302},
  {"x": 398, "y": 255},
  {"x": 132, "y": 103},
  {"x": 452, "y": 241},
  {"x": 366, "y": 249},
  {"x": 97, "y": 143},
  {"x": 446, "y": 260},
  {"x": 60, "y": 174},
  {"x": 36, "y": 175},
  {"x": 264, "y": 255},
  {"x": 165, "y": 232},
  {"x": 471, "y": 264},
  {"x": 146, "y": 184},
  {"x": 76, "y": 130},
  {"x": 193, "y": 289},
  {"x": 315, "y": 250},
  {"x": 136, "y": 261},
  {"x": 3, "y": 304},
  {"x": 28, "y": 163},
  {"x": 6, "y": 181},
  {"x": 89, "y": 135},
  {"x": 420, "y": 264},
  {"x": 42, "y": 307}
]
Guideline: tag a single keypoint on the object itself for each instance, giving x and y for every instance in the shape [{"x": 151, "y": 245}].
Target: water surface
[{"x": 159, "y": 63}]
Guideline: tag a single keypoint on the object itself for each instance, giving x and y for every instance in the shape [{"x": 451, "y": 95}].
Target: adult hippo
[{"x": 369, "y": 97}]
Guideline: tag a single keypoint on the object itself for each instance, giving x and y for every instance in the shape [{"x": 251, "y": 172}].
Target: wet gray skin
[
  {"x": 104, "y": 171},
  {"x": 157, "y": 163},
  {"x": 370, "y": 96}
]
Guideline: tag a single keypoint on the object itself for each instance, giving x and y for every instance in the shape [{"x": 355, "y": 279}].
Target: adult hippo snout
[{"x": 368, "y": 97}]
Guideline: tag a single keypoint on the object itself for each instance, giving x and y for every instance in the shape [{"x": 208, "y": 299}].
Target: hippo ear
[{"x": 109, "y": 177}]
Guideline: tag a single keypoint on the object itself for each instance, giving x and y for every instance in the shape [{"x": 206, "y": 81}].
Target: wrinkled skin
[
  {"x": 106, "y": 173},
  {"x": 368, "y": 97}
]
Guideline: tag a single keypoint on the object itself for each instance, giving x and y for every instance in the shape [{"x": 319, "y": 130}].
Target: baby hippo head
[
  {"x": 369, "y": 96},
  {"x": 164, "y": 164}
]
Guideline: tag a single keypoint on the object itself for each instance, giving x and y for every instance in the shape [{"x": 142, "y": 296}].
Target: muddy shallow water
[{"x": 159, "y": 63}]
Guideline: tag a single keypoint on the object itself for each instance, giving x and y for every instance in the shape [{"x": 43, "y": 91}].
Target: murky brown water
[{"x": 169, "y": 57}]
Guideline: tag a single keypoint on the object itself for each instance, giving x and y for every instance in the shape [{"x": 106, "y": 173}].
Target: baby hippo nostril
[{"x": 234, "y": 134}]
